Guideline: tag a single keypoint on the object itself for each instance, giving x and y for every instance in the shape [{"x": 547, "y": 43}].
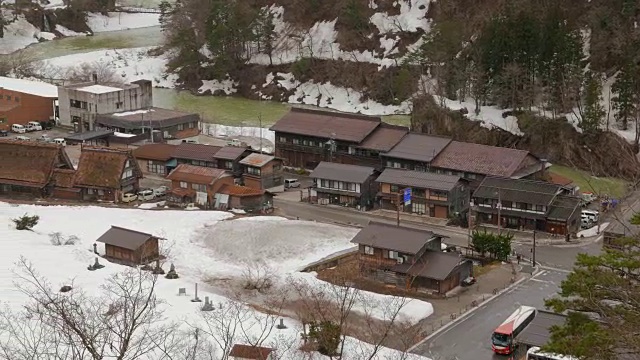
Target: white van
[
  {"x": 33, "y": 126},
  {"x": 146, "y": 195},
  {"x": 592, "y": 215},
  {"x": 59, "y": 141},
  {"x": 129, "y": 197},
  {"x": 17, "y": 128},
  {"x": 291, "y": 183}
]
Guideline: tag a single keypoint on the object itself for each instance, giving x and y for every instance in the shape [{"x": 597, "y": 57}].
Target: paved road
[{"x": 469, "y": 338}]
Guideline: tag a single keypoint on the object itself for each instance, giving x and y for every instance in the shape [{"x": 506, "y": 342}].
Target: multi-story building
[
  {"x": 415, "y": 152},
  {"x": 526, "y": 205},
  {"x": 81, "y": 103},
  {"x": 261, "y": 171},
  {"x": 22, "y": 101},
  {"x": 435, "y": 195},
  {"x": 343, "y": 184}
]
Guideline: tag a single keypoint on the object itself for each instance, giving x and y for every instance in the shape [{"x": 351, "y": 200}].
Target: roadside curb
[{"x": 468, "y": 313}]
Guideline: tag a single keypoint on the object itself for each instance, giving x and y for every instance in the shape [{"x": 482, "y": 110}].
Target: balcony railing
[{"x": 375, "y": 261}]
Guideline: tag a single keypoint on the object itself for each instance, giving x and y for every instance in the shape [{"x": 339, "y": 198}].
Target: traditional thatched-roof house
[
  {"x": 106, "y": 174},
  {"x": 28, "y": 167}
]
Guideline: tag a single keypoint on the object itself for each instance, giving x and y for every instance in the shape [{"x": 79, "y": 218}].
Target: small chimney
[{"x": 95, "y": 78}]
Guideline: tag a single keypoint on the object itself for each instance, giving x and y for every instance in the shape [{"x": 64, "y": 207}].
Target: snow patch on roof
[
  {"x": 99, "y": 89},
  {"x": 135, "y": 112}
]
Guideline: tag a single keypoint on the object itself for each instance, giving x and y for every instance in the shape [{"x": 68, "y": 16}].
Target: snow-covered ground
[
  {"x": 199, "y": 243},
  {"x": 489, "y": 116},
  {"x": 121, "y": 21},
  {"x": 20, "y": 34}
]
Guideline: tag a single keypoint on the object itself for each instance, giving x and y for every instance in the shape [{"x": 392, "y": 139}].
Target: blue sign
[{"x": 407, "y": 196}]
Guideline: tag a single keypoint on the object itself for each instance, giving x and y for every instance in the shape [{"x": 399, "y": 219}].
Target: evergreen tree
[
  {"x": 593, "y": 112},
  {"x": 602, "y": 298},
  {"x": 624, "y": 100}
]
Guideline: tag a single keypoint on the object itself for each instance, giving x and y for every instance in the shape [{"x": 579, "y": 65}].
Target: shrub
[
  {"x": 58, "y": 239},
  {"x": 327, "y": 336},
  {"x": 26, "y": 222}
]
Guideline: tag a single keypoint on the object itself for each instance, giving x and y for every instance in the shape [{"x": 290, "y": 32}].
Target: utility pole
[
  {"x": 533, "y": 258},
  {"x": 398, "y": 208},
  {"x": 469, "y": 221},
  {"x": 260, "y": 121}
]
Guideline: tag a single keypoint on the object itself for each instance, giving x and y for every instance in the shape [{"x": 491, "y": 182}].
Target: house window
[
  {"x": 184, "y": 185},
  {"x": 471, "y": 176},
  {"x": 324, "y": 183},
  {"x": 418, "y": 192},
  {"x": 253, "y": 170},
  {"x": 127, "y": 164},
  {"x": 282, "y": 139},
  {"x": 395, "y": 188},
  {"x": 156, "y": 167},
  {"x": 305, "y": 142},
  {"x": 277, "y": 167},
  {"x": 540, "y": 208},
  {"x": 90, "y": 191},
  {"x": 393, "y": 164},
  {"x": 296, "y": 142},
  {"x": 127, "y": 174},
  {"x": 192, "y": 125},
  {"x": 17, "y": 99},
  {"x": 199, "y": 187},
  {"x": 100, "y": 192},
  {"x": 8, "y": 97},
  {"x": 368, "y": 250},
  {"x": 418, "y": 208},
  {"x": 119, "y": 105},
  {"x": 507, "y": 204},
  {"x": 333, "y": 184},
  {"x": 3, "y": 120},
  {"x": 442, "y": 195},
  {"x": 228, "y": 164},
  {"x": 180, "y": 127}
]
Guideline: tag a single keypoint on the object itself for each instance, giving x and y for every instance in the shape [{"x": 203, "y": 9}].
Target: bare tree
[
  {"x": 257, "y": 275},
  {"x": 123, "y": 323}
]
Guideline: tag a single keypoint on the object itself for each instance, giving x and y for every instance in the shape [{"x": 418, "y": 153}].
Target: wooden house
[
  {"x": 196, "y": 184},
  {"x": 129, "y": 246},
  {"x": 262, "y": 171},
  {"x": 343, "y": 184},
  {"x": 409, "y": 258},
  {"x": 107, "y": 173},
  {"x": 244, "y": 198},
  {"x": 248, "y": 352}
]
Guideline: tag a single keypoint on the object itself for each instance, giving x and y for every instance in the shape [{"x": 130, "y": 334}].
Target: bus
[
  {"x": 535, "y": 354},
  {"x": 502, "y": 338}
]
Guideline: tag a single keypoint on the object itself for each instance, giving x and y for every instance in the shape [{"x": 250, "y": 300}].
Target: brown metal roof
[
  {"x": 418, "y": 179},
  {"x": 124, "y": 238},
  {"x": 196, "y": 174},
  {"x": 250, "y": 352},
  {"x": 240, "y": 191},
  {"x": 384, "y": 137},
  {"x": 435, "y": 265},
  {"x": 390, "y": 237},
  {"x": 257, "y": 160},
  {"x": 327, "y": 124},
  {"x": 342, "y": 172},
  {"x": 159, "y": 152},
  {"x": 31, "y": 162},
  {"x": 103, "y": 167},
  {"x": 418, "y": 147},
  {"x": 230, "y": 152},
  {"x": 480, "y": 159},
  {"x": 199, "y": 152}
]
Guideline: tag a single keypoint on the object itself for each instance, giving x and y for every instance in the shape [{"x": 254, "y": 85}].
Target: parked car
[
  {"x": 59, "y": 141},
  {"x": 45, "y": 138},
  {"x": 189, "y": 141},
  {"x": 469, "y": 281},
  {"x": 234, "y": 142},
  {"x": 4, "y": 133},
  {"x": 586, "y": 223},
  {"x": 146, "y": 195},
  {"x": 291, "y": 183},
  {"x": 19, "y": 129},
  {"x": 33, "y": 126},
  {"x": 592, "y": 215},
  {"x": 129, "y": 197},
  {"x": 22, "y": 138},
  {"x": 161, "y": 191},
  {"x": 47, "y": 125}
]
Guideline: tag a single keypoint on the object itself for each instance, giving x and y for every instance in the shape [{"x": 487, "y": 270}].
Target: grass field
[
  {"x": 236, "y": 111},
  {"x": 598, "y": 185}
]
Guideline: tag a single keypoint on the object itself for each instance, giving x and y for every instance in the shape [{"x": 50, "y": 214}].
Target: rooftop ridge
[
  {"x": 340, "y": 113},
  {"x": 29, "y": 143},
  {"x": 130, "y": 230},
  {"x": 491, "y": 146}
]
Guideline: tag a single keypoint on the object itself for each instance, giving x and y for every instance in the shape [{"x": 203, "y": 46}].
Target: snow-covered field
[
  {"x": 121, "y": 21},
  {"x": 201, "y": 244},
  {"x": 20, "y": 34}
]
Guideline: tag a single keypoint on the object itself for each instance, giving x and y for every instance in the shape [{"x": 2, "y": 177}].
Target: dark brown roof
[
  {"x": 103, "y": 167},
  {"x": 250, "y": 352},
  {"x": 480, "y": 159},
  {"x": 419, "y": 147},
  {"x": 230, "y": 152},
  {"x": 196, "y": 174},
  {"x": 156, "y": 117},
  {"x": 435, "y": 265},
  {"x": 517, "y": 190},
  {"x": 124, "y": 238},
  {"x": 384, "y": 137},
  {"x": 29, "y": 162},
  {"x": 418, "y": 179},
  {"x": 160, "y": 152},
  {"x": 559, "y": 179},
  {"x": 200, "y": 152},
  {"x": 240, "y": 191},
  {"x": 327, "y": 124},
  {"x": 390, "y": 237},
  {"x": 64, "y": 178},
  {"x": 342, "y": 172}
]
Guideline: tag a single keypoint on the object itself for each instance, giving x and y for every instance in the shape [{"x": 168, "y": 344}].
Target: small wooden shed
[
  {"x": 247, "y": 352},
  {"x": 129, "y": 246}
]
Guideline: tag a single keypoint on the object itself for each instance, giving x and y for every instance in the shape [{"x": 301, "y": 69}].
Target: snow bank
[
  {"x": 199, "y": 243},
  {"x": 592, "y": 231},
  {"x": 411, "y": 18},
  {"x": 131, "y": 64},
  {"x": 228, "y": 86},
  {"x": 121, "y": 21},
  {"x": 67, "y": 32},
  {"x": 19, "y": 34},
  {"x": 218, "y": 130}
]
